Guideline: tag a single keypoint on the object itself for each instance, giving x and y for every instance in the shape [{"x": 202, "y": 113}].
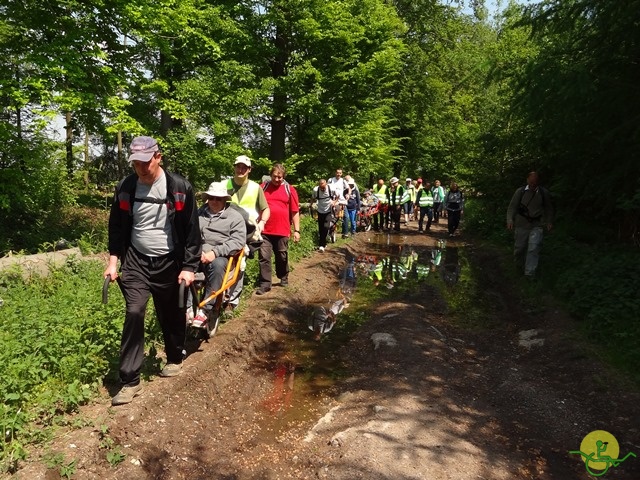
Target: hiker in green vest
[
  {"x": 424, "y": 201},
  {"x": 409, "y": 200},
  {"x": 381, "y": 219},
  {"x": 395, "y": 197},
  {"x": 438, "y": 200}
]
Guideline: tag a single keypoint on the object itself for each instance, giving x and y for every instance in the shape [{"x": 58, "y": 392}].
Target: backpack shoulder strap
[{"x": 287, "y": 187}]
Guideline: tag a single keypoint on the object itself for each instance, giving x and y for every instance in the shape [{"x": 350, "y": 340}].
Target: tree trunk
[
  {"x": 23, "y": 165},
  {"x": 69, "y": 144},
  {"x": 278, "y": 120}
]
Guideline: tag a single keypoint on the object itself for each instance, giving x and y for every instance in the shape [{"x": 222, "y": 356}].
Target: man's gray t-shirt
[{"x": 151, "y": 233}]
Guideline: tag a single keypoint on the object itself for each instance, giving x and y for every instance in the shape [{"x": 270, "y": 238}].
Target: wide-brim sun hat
[
  {"x": 394, "y": 180},
  {"x": 217, "y": 190}
]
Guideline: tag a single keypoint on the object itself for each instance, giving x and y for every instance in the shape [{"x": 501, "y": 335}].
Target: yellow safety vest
[
  {"x": 380, "y": 193},
  {"x": 249, "y": 198},
  {"x": 426, "y": 198}
]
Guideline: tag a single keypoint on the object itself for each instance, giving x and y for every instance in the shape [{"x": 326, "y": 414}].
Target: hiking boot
[
  {"x": 229, "y": 309},
  {"x": 420, "y": 230},
  {"x": 321, "y": 249},
  {"x": 284, "y": 282},
  {"x": 126, "y": 394},
  {"x": 263, "y": 290},
  {"x": 171, "y": 370},
  {"x": 200, "y": 320}
]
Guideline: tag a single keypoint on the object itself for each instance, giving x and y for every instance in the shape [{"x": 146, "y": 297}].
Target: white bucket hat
[{"x": 217, "y": 189}]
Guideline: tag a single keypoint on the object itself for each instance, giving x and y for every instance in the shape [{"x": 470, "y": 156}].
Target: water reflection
[
  {"x": 451, "y": 266},
  {"x": 279, "y": 399},
  {"x": 405, "y": 262},
  {"x": 388, "y": 269},
  {"x": 324, "y": 317}
]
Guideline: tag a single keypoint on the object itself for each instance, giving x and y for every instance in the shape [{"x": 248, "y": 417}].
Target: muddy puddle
[{"x": 305, "y": 365}]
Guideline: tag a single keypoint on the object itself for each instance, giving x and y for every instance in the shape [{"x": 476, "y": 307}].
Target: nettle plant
[{"x": 57, "y": 344}]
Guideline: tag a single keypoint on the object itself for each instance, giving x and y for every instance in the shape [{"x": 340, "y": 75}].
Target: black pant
[
  {"x": 381, "y": 219},
  {"x": 428, "y": 211},
  {"x": 279, "y": 245},
  {"x": 323, "y": 227},
  {"x": 453, "y": 220},
  {"x": 395, "y": 213},
  {"x": 437, "y": 210},
  {"x": 144, "y": 277}
]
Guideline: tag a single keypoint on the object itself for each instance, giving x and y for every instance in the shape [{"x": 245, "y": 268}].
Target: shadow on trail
[{"x": 394, "y": 388}]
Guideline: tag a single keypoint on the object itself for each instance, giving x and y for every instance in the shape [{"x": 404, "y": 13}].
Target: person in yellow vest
[
  {"x": 408, "y": 200},
  {"x": 424, "y": 200},
  {"x": 395, "y": 196},
  {"x": 416, "y": 210},
  {"x": 247, "y": 195},
  {"x": 381, "y": 219}
]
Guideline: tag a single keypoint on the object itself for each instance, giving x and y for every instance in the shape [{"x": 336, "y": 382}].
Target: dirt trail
[{"x": 417, "y": 398}]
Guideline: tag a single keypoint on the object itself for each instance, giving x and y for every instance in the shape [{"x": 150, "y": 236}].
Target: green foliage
[
  {"x": 82, "y": 226},
  {"x": 58, "y": 342},
  {"x": 599, "y": 286},
  {"x": 114, "y": 454},
  {"x": 57, "y": 461},
  {"x": 486, "y": 217},
  {"x": 575, "y": 99}
]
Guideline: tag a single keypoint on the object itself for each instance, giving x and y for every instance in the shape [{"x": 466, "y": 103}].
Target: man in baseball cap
[
  {"x": 249, "y": 197},
  {"x": 154, "y": 236},
  {"x": 243, "y": 160},
  {"x": 143, "y": 149}
]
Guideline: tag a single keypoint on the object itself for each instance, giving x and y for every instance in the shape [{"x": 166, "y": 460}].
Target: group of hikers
[
  {"x": 159, "y": 238},
  {"x": 388, "y": 205}
]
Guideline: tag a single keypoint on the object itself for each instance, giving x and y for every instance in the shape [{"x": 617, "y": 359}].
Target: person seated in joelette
[{"x": 224, "y": 233}]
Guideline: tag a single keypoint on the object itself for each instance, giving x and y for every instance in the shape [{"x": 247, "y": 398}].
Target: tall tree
[{"x": 581, "y": 94}]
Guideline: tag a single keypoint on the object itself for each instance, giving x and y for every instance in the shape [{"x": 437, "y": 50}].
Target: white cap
[{"x": 243, "y": 159}]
